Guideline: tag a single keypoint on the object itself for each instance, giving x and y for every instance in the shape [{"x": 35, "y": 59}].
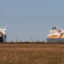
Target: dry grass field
[{"x": 31, "y": 53}]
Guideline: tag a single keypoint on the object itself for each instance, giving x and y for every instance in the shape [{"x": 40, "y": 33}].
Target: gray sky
[{"x": 29, "y": 19}]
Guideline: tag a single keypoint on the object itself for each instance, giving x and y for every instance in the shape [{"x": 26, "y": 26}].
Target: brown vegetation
[{"x": 31, "y": 53}]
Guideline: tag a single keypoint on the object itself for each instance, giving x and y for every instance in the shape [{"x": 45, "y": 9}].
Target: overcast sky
[{"x": 29, "y": 19}]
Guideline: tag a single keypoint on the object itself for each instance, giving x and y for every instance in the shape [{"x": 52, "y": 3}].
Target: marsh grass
[{"x": 31, "y": 53}]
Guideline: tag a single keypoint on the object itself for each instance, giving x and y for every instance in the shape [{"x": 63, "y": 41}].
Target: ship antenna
[
  {"x": 56, "y": 26},
  {"x": 6, "y": 26}
]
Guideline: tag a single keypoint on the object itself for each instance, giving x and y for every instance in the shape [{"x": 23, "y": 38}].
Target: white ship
[
  {"x": 2, "y": 34},
  {"x": 56, "y": 35}
]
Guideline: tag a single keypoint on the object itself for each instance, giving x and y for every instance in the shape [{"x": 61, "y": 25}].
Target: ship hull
[
  {"x": 2, "y": 39},
  {"x": 56, "y": 40}
]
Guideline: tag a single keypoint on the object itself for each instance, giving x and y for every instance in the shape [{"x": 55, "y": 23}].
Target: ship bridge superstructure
[
  {"x": 3, "y": 34},
  {"x": 56, "y": 33}
]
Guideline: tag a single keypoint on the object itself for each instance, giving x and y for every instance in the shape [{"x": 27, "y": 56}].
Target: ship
[
  {"x": 3, "y": 37},
  {"x": 56, "y": 35}
]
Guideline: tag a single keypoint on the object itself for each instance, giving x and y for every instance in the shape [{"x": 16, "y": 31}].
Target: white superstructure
[
  {"x": 2, "y": 34},
  {"x": 56, "y": 35}
]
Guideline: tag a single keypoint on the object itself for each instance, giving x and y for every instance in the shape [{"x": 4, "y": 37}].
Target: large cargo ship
[
  {"x": 56, "y": 35},
  {"x": 2, "y": 34}
]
